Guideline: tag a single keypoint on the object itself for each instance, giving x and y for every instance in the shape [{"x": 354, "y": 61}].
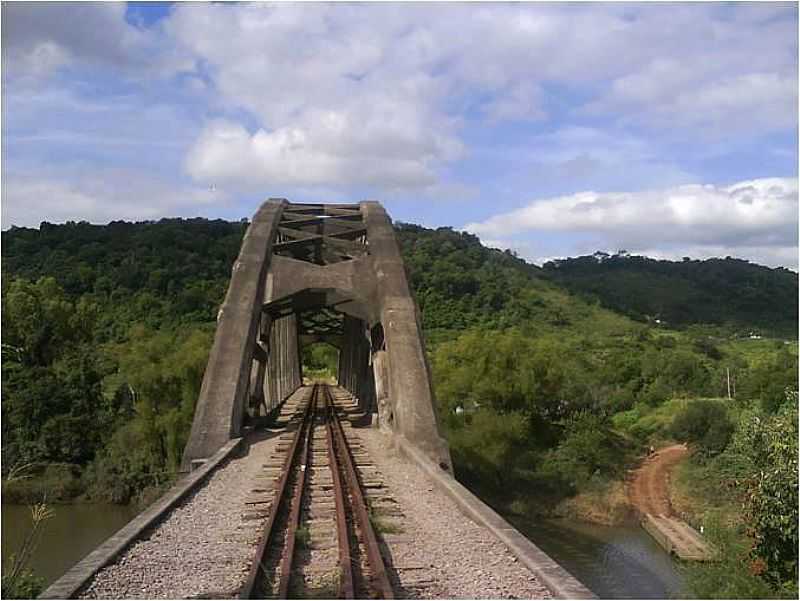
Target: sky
[{"x": 554, "y": 130}]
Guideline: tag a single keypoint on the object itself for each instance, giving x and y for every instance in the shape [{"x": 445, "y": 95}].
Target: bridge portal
[{"x": 311, "y": 273}]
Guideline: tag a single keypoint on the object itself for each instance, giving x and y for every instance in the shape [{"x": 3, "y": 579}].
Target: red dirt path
[{"x": 649, "y": 489}]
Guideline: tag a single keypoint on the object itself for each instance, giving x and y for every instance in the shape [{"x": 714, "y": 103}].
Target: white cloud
[
  {"x": 99, "y": 196},
  {"x": 332, "y": 150},
  {"x": 404, "y": 76},
  {"x": 41, "y": 37},
  {"x": 749, "y": 216}
]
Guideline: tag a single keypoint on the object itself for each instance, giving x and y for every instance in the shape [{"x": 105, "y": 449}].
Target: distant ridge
[
  {"x": 457, "y": 280},
  {"x": 732, "y": 292}
]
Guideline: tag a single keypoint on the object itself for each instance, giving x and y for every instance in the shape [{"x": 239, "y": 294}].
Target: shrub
[
  {"x": 770, "y": 445},
  {"x": 491, "y": 448},
  {"x": 704, "y": 423},
  {"x": 586, "y": 450}
]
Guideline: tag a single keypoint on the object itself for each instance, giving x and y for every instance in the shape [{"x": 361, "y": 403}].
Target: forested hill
[
  {"x": 176, "y": 270},
  {"x": 152, "y": 273},
  {"x": 727, "y": 291}
]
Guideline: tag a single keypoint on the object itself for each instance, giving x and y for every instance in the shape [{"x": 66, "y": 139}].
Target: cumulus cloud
[
  {"x": 756, "y": 215},
  {"x": 99, "y": 196},
  {"x": 301, "y": 156},
  {"x": 403, "y": 99},
  {"x": 405, "y": 76},
  {"x": 41, "y": 37}
]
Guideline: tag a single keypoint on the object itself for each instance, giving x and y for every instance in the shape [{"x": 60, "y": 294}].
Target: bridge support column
[
  {"x": 354, "y": 360},
  {"x": 224, "y": 392},
  {"x": 379, "y": 370},
  {"x": 283, "y": 366},
  {"x": 410, "y": 390},
  {"x": 258, "y": 404}
]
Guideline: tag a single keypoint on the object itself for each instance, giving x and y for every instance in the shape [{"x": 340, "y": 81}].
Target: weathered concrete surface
[
  {"x": 70, "y": 583},
  {"x": 224, "y": 393},
  {"x": 298, "y": 258},
  {"x": 410, "y": 392},
  {"x": 677, "y": 537}
]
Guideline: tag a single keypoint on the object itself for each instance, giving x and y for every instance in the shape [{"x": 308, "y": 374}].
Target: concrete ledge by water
[{"x": 560, "y": 582}]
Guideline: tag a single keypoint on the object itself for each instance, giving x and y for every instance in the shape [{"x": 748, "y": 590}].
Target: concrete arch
[{"x": 296, "y": 257}]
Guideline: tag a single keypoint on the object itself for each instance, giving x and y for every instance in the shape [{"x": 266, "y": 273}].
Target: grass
[
  {"x": 646, "y": 424},
  {"x": 756, "y": 351},
  {"x": 381, "y": 524},
  {"x": 699, "y": 494},
  {"x": 303, "y": 536}
]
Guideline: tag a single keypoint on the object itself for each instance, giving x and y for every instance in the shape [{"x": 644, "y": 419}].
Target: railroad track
[{"x": 317, "y": 496}]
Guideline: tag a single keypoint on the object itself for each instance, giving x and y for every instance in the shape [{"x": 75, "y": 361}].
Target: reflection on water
[
  {"x": 615, "y": 562},
  {"x": 68, "y": 537}
]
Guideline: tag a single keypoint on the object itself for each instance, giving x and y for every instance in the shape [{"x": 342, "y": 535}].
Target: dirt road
[{"x": 648, "y": 491}]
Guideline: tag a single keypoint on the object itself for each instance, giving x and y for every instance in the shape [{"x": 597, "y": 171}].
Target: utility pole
[{"x": 728, "y": 373}]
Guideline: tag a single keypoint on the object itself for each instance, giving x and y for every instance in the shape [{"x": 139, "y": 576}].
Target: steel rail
[
  {"x": 379, "y": 578},
  {"x": 297, "y": 502},
  {"x": 346, "y": 586},
  {"x": 268, "y": 532}
]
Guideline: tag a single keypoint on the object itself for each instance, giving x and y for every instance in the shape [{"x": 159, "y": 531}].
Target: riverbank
[
  {"x": 647, "y": 489},
  {"x": 67, "y": 484}
]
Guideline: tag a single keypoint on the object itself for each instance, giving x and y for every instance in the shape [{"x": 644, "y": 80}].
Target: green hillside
[{"x": 727, "y": 292}]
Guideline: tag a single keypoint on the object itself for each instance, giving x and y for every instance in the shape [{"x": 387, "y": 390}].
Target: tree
[{"x": 770, "y": 445}]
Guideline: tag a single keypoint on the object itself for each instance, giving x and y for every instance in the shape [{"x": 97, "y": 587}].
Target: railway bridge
[{"x": 296, "y": 488}]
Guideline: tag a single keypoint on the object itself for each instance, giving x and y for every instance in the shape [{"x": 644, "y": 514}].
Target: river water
[
  {"x": 615, "y": 562},
  {"x": 620, "y": 562},
  {"x": 72, "y": 533}
]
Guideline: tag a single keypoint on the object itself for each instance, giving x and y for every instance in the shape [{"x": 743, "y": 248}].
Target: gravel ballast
[
  {"x": 205, "y": 546},
  {"x": 440, "y": 552}
]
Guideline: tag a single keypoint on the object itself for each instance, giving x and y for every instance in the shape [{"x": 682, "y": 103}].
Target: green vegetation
[
  {"x": 730, "y": 292},
  {"x": 550, "y": 382},
  {"x": 746, "y": 497},
  {"x": 106, "y": 335},
  {"x": 19, "y": 581},
  {"x": 320, "y": 361}
]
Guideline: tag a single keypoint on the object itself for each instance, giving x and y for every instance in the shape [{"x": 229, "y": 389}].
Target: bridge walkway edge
[{"x": 68, "y": 585}]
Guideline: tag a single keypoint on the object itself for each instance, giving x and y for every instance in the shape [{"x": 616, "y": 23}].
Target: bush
[
  {"x": 704, "y": 423},
  {"x": 586, "y": 450},
  {"x": 491, "y": 449},
  {"x": 60, "y": 483},
  {"x": 770, "y": 446}
]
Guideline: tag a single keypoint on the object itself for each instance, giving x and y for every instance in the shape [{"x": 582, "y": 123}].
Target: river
[
  {"x": 68, "y": 536},
  {"x": 615, "y": 562},
  {"x": 619, "y": 562}
]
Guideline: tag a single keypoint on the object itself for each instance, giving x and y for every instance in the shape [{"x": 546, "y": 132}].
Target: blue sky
[{"x": 552, "y": 129}]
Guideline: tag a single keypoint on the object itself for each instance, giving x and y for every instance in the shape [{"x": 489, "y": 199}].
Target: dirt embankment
[{"x": 648, "y": 490}]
